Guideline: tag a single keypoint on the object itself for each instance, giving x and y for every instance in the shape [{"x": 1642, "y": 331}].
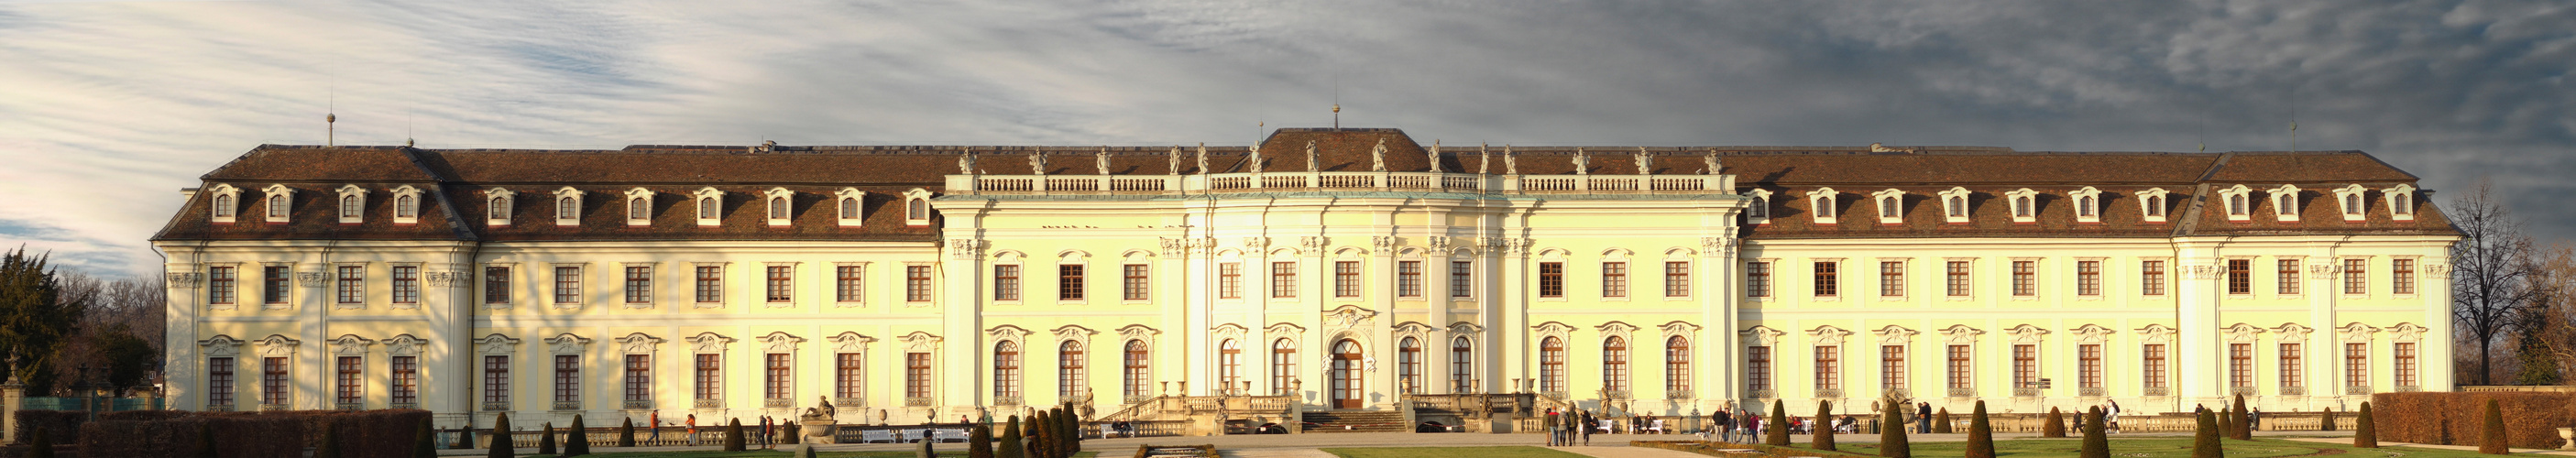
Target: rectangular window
[
  {"x": 1891, "y": 278},
  {"x": 779, "y": 381},
  {"x": 2025, "y": 366},
  {"x": 219, "y": 381},
  {"x": 2288, "y": 277},
  {"x": 1891, "y": 367},
  {"x": 1134, "y": 282},
  {"x": 2088, "y": 366},
  {"x": 2025, "y": 278},
  {"x": 1006, "y": 282},
  {"x": 639, "y": 284},
  {"x": 567, "y": 285},
  {"x": 2401, "y": 278},
  {"x": 916, "y": 283},
  {"x": 2151, "y": 278},
  {"x": 2404, "y": 353},
  {"x": 2154, "y": 368},
  {"x": 1462, "y": 279},
  {"x": 782, "y": 284},
  {"x": 2088, "y": 278},
  {"x": 850, "y": 283},
  {"x": 2240, "y": 276},
  {"x": 1346, "y": 277},
  {"x": 710, "y": 284},
  {"x": 710, "y": 377},
  {"x": 1677, "y": 279},
  {"x": 1960, "y": 376},
  {"x": 1068, "y": 282},
  {"x": 567, "y": 379},
  {"x": 1408, "y": 278},
  {"x": 1614, "y": 279},
  {"x": 1229, "y": 280},
  {"x": 1757, "y": 279},
  {"x": 272, "y": 381},
  {"x": 496, "y": 382},
  {"x": 347, "y": 390},
  {"x": 2356, "y": 279},
  {"x": 406, "y": 380},
  {"x": 1283, "y": 279},
  {"x": 2240, "y": 366},
  {"x": 278, "y": 279},
  {"x": 2290, "y": 368},
  {"x": 1829, "y": 368},
  {"x": 1757, "y": 368},
  {"x": 847, "y": 380},
  {"x": 916, "y": 375},
  {"x": 1827, "y": 283},
  {"x": 1957, "y": 278},
  {"x": 353, "y": 284},
  {"x": 1551, "y": 279},
  {"x": 2356, "y": 364},
  {"x": 639, "y": 378},
  {"x": 219, "y": 285},
  {"x": 496, "y": 285},
  {"x": 406, "y": 284}
]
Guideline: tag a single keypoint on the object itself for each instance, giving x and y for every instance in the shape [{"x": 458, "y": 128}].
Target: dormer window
[
  {"x": 2401, "y": 202},
  {"x": 2239, "y": 207},
  {"x": 1758, "y": 211},
  {"x": 781, "y": 204},
  {"x": 2088, "y": 205},
  {"x": 496, "y": 206},
  {"x": 1891, "y": 206},
  {"x": 226, "y": 203},
  {"x": 2285, "y": 203},
  {"x": 848, "y": 201},
  {"x": 916, "y": 207},
  {"x": 567, "y": 207},
  {"x": 406, "y": 205},
  {"x": 353, "y": 204},
  {"x": 639, "y": 207},
  {"x": 2356, "y": 207},
  {"x": 710, "y": 207},
  {"x": 1954, "y": 205},
  {"x": 280, "y": 200},
  {"x": 2025, "y": 205},
  {"x": 2151, "y": 205},
  {"x": 1822, "y": 200}
]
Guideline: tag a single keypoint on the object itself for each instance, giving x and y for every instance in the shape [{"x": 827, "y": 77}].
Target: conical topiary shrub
[
  {"x": 1981, "y": 435},
  {"x": 1010, "y": 446},
  {"x": 2365, "y": 434},
  {"x": 205, "y": 440},
  {"x": 1824, "y": 437},
  {"x": 1778, "y": 436},
  {"x": 425, "y": 444},
  {"x": 1891, "y": 438},
  {"x": 2056, "y": 425},
  {"x": 330, "y": 443},
  {"x": 2204, "y": 438},
  {"x": 501, "y": 446},
  {"x": 626, "y": 433},
  {"x": 2226, "y": 424},
  {"x": 1072, "y": 431},
  {"x": 2491, "y": 435},
  {"x": 546, "y": 442},
  {"x": 1041, "y": 434},
  {"x": 791, "y": 433},
  {"x": 1941, "y": 422},
  {"x": 40, "y": 446},
  {"x": 2243, "y": 421},
  {"x": 576, "y": 439},
  {"x": 979, "y": 443},
  {"x": 2095, "y": 444},
  {"x": 733, "y": 436},
  {"x": 2327, "y": 423}
]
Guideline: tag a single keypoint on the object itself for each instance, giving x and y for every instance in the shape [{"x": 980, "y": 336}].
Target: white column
[{"x": 2201, "y": 365}]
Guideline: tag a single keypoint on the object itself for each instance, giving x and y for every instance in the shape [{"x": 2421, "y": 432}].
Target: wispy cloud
[{"x": 107, "y": 108}]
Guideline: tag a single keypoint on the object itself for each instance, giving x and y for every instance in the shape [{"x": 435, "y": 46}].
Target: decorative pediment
[
  {"x": 1465, "y": 328},
  {"x": 1348, "y": 317},
  {"x": 1074, "y": 332},
  {"x": 1827, "y": 335},
  {"x": 2027, "y": 334},
  {"x": 1414, "y": 329},
  {"x": 1679, "y": 328},
  {"x": 1229, "y": 331},
  {"x": 2156, "y": 334},
  {"x": 709, "y": 342},
  {"x": 2242, "y": 333},
  {"x": 350, "y": 345},
  {"x": 2293, "y": 332},
  {"x": 2357, "y": 332},
  {"x": 567, "y": 344},
  {"x": 495, "y": 344},
  {"x": 920, "y": 341},
  {"x": 851, "y": 342},
  {"x": 1895, "y": 335},
  {"x": 2408, "y": 332},
  {"x": 1623, "y": 331},
  {"x": 1762, "y": 336},
  {"x": 1006, "y": 333},
  {"x": 780, "y": 342},
  {"x": 1960, "y": 334},
  {"x": 277, "y": 346},
  {"x": 1138, "y": 332},
  {"x": 404, "y": 345},
  {"x": 1554, "y": 329},
  {"x": 2092, "y": 334},
  {"x": 1284, "y": 331},
  {"x": 221, "y": 345},
  {"x": 639, "y": 343}
]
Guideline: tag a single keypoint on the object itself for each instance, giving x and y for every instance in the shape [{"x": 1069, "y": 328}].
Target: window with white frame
[
  {"x": 916, "y": 207},
  {"x": 496, "y": 203},
  {"x": 225, "y": 202},
  {"x": 781, "y": 206},
  {"x": 567, "y": 207},
  {"x": 353, "y": 204},
  {"x": 406, "y": 205},
  {"x": 1758, "y": 210},
  {"x": 2401, "y": 202},
  {"x": 2285, "y": 203},
  {"x": 639, "y": 207},
  {"x": 710, "y": 204},
  {"x": 1891, "y": 206},
  {"x": 2239, "y": 205},
  {"x": 2151, "y": 205},
  {"x": 2088, "y": 205},
  {"x": 847, "y": 202},
  {"x": 2025, "y": 205},
  {"x": 2353, "y": 198},
  {"x": 1822, "y": 202},
  {"x": 1954, "y": 205},
  {"x": 280, "y": 202}
]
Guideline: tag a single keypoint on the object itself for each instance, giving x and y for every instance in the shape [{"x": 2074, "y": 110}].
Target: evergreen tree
[
  {"x": 2204, "y": 438},
  {"x": 979, "y": 444},
  {"x": 2226, "y": 423},
  {"x": 546, "y": 442},
  {"x": 330, "y": 446},
  {"x": 2538, "y": 367},
  {"x": 733, "y": 436},
  {"x": 36, "y": 319},
  {"x": 1072, "y": 431},
  {"x": 2056, "y": 426},
  {"x": 501, "y": 446},
  {"x": 425, "y": 444},
  {"x": 626, "y": 433},
  {"x": 2243, "y": 421},
  {"x": 1778, "y": 436},
  {"x": 1981, "y": 436},
  {"x": 1891, "y": 438},
  {"x": 1824, "y": 437},
  {"x": 1011, "y": 446},
  {"x": 2328, "y": 423},
  {"x": 40, "y": 446},
  {"x": 577, "y": 440},
  {"x": 2095, "y": 444},
  {"x": 1037, "y": 436},
  {"x": 2491, "y": 436},
  {"x": 1941, "y": 422},
  {"x": 2365, "y": 434}
]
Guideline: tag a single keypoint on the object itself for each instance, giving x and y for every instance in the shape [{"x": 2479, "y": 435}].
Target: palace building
[{"x": 1344, "y": 268}]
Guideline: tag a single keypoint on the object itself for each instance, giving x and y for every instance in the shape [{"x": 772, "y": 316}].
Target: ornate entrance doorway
[{"x": 1346, "y": 374}]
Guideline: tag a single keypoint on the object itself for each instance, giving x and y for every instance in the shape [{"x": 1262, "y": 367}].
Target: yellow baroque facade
[{"x": 1344, "y": 267}]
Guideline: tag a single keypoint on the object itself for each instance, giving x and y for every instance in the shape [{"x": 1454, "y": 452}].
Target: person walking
[
  {"x": 764, "y": 432},
  {"x": 693, "y": 430},
  {"x": 1725, "y": 425},
  {"x": 1550, "y": 425},
  {"x": 654, "y": 422},
  {"x": 1587, "y": 428},
  {"x": 2111, "y": 417},
  {"x": 1923, "y": 417}
]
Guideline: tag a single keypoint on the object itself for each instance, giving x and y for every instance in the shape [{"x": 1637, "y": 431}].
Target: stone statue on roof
[
  {"x": 1645, "y": 162},
  {"x": 1256, "y": 159},
  {"x": 1037, "y": 162},
  {"x": 1174, "y": 158},
  {"x": 1377, "y": 156},
  {"x": 966, "y": 163},
  {"x": 1711, "y": 162},
  {"x": 1102, "y": 160},
  {"x": 1435, "y": 155},
  {"x": 1511, "y": 164},
  {"x": 1484, "y": 159},
  {"x": 1203, "y": 167},
  {"x": 1579, "y": 161},
  {"x": 1310, "y": 156}
]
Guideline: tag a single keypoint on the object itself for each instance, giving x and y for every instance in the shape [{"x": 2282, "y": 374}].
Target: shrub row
[
  {"x": 60, "y": 425},
  {"x": 358, "y": 434},
  {"x": 2426, "y": 418}
]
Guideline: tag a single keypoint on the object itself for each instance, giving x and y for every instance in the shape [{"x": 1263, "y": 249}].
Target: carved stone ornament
[
  {"x": 221, "y": 346},
  {"x": 350, "y": 345},
  {"x": 1709, "y": 163},
  {"x": 1762, "y": 335},
  {"x": 851, "y": 342},
  {"x": 2293, "y": 332},
  {"x": 1229, "y": 331},
  {"x": 495, "y": 344},
  {"x": 1256, "y": 244},
  {"x": 1413, "y": 329},
  {"x": 1645, "y": 161},
  {"x": 1828, "y": 335},
  {"x": 312, "y": 279},
  {"x": 2205, "y": 271},
  {"x": 278, "y": 346},
  {"x": 1484, "y": 159},
  {"x": 186, "y": 280},
  {"x": 1138, "y": 332},
  {"x": 780, "y": 342},
  {"x": 1278, "y": 331},
  {"x": 2156, "y": 333},
  {"x": 1311, "y": 244},
  {"x": 1006, "y": 333},
  {"x": 1174, "y": 158},
  {"x": 1384, "y": 244},
  {"x": 1960, "y": 334},
  {"x": 1717, "y": 245},
  {"x": 2408, "y": 332},
  {"x": 709, "y": 342},
  {"x": 2437, "y": 269},
  {"x": 1511, "y": 163},
  {"x": 404, "y": 345},
  {"x": 1679, "y": 328},
  {"x": 1074, "y": 333},
  {"x": 1623, "y": 331},
  {"x": 1037, "y": 162},
  {"x": 1438, "y": 243},
  {"x": 1435, "y": 155},
  {"x": 1377, "y": 156},
  {"x": 2093, "y": 334},
  {"x": 567, "y": 344},
  {"x": 2241, "y": 332},
  {"x": 1463, "y": 328},
  {"x": 1895, "y": 335},
  {"x": 1517, "y": 246},
  {"x": 639, "y": 344},
  {"x": 444, "y": 279},
  {"x": 1310, "y": 156},
  {"x": 965, "y": 249},
  {"x": 920, "y": 341},
  {"x": 2324, "y": 271},
  {"x": 1348, "y": 317},
  {"x": 1553, "y": 329},
  {"x": 1173, "y": 247},
  {"x": 1203, "y": 164},
  {"x": 1101, "y": 161},
  {"x": 2027, "y": 334},
  {"x": 2357, "y": 332}
]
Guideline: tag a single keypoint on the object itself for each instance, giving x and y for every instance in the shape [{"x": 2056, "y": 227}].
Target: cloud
[{"x": 113, "y": 106}]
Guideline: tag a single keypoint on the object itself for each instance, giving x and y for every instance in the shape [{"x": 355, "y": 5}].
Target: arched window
[
  {"x": 918, "y": 209},
  {"x": 1462, "y": 364},
  {"x": 500, "y": 208},
  {"x": 2084, "y": 206},
  {"x": 777, "y": 208},
  {"x": 1959, "y": 206},
  {"x": 224, "y": 206},
  {"x": 1761, "y": 208},
  {"x": 2404, "y": 204},
  {"x": 1229, "y": 366},
  {"x": 1283, "y": 367},
  {"x": 2287, "y": 204},
  {"x": 706, "y": 208},
  {"x": 1824, "y": 207},
  {"x": 1551, "y": 367},
  {"x": 350, "y": 206},
  {"x": 276, "y": 207},
  {"x": 1887, "y": 207},
  {"x": 406, "y": 207},
  {"x": 2236, "y": 205},
  {"x": 1614, "y": 365},
  {"x": 850, "y": 208},
  {"x": 1068, "y": 371},
  {"x": 1006, "y": 372},
  {"x": 2352, "y": 203},
  {"x": 2023, "y": 207},
  {"x": 1408, "y": 364},
  {"x": 2155, "y": 205},
  {"x": 1139, "y": 383},
  {"x": 639, "y": 208},
  {"x": 1677, "y": 373},
  {"x": 566, "y": 209}
]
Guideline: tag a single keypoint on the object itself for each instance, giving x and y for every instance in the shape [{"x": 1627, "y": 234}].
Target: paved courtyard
[{"x": 1303, "y": 445}]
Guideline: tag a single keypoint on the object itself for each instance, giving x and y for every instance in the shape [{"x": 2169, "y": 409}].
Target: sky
[{"x": 107, "y": 109}]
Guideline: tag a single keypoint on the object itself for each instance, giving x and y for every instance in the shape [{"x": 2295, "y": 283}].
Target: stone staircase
[{"x": 1356, "y": 421}]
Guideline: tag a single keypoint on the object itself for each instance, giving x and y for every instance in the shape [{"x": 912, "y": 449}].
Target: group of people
[
  {"x": 1567, "y": 427},
  {"x": 769, "y": 428}
]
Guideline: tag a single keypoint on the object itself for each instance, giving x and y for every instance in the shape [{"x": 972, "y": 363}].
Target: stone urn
[
  {"x": 820, "y": 430},
  {"x": 2569, "y": 435}
]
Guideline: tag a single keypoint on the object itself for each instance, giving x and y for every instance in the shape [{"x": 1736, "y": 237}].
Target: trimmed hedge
[
  {"x": 2423, "y": 417},
  {"x": 60, "y": 425},
  {"x": 360, "y": 434}
]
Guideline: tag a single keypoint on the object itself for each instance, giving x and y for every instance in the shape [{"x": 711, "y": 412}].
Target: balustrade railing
[{"x": 1340, "y": 181}]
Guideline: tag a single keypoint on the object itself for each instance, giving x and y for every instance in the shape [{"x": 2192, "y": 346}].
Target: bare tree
[
  {"x": 2490, "y": 273},
  {"x": 2554, "y": 277}
]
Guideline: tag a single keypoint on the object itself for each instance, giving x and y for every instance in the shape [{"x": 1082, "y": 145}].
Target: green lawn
[
  {"x": 1450, "y": 452},
  {"x": 2161, "y": 448},
  {"x": 780, "y": 453}
]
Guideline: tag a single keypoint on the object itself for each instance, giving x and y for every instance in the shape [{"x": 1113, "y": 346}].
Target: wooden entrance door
[{"x": 1346, "y": 374}]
